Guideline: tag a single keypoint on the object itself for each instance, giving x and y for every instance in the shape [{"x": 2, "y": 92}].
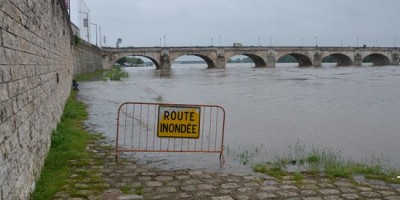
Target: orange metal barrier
[{"x": 139, "y": 129}]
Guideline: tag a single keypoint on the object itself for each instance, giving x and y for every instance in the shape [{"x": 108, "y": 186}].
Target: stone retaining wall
[
  {"x": 36, "y": 70},
  {"x": 87, "y": 58}
]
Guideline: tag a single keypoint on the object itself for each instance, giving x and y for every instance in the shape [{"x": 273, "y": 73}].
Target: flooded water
[{"x": 351, "y": 110}]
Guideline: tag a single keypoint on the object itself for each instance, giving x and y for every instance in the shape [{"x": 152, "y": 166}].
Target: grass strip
[
  {"x": 330, "y": 164},
  {"x": 68, "y": 143},
  {"x": 116, "y": 73},
  {"x": 92, "y": 76}
]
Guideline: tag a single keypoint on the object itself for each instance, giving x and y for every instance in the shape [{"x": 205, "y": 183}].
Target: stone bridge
[{"x": 217, "y": 57}]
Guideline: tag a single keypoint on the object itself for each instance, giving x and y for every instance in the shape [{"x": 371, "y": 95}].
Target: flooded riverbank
[{"x": 351, "y": 110}]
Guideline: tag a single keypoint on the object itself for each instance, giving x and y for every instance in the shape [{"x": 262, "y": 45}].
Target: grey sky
[{"x": 195, "y": 22}]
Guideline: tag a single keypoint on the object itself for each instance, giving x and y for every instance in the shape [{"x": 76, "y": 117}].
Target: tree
[
  {"x": 122, "y": 61},
  {"x": 130, "y": 61}
]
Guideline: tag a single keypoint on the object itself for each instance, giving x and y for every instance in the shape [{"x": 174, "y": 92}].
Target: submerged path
[{"x": 103, "y": 179}]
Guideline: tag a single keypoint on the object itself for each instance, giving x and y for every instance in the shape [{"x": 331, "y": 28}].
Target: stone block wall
[
  {"x": 36, "y": 69},
  {"x": 88, "y": 58}
]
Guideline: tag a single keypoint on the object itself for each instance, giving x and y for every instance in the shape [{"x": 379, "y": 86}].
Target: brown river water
[{"x": 353, "y": 111}]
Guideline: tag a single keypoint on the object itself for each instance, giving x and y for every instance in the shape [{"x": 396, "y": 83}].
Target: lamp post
[
  {"x": 316, "y": 41},
  {"x": 100, "y": 36},
  {"x": 357, "y": 41},
  {"x": 212, "y": 41},
  {"x": 270, "y": 41},
  {"x": 96, "y": 31},
  {"x": 86, "y": 24},
  {"x": 165, "y": 41}
]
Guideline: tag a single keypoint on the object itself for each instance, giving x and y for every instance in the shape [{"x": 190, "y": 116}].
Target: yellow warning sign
[{"x": 178, "y": 121}]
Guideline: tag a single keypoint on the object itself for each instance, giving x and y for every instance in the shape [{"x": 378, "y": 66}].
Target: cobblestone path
[{"x": 104, "y": 179}]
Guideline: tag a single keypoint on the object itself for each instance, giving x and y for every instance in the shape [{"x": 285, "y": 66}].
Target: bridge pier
[
  {"x": 357, "y": 59},
  {"x": 271, "y": 59},
  {"x": 220, "y": 62},
  {"x": 317, "y": 59},
  {"x": 165, "y": 62},
  {"x": 395, "y": 59}
]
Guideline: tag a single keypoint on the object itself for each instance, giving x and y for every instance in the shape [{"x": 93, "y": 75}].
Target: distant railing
[{"x": 155, "y": 127}]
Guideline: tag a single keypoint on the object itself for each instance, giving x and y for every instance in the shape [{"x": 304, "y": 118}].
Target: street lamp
[
  {"x": 212, "y": 41},
  {"x": 100, "y": 36},
  {"x": 259, "y": 43},
  {"x": 86, "y": 24},
  {"x": 270, "y": 41},
  {"x": 357, "y": 41},
  {"x": 316, "y": 41},
  {"x": 165, "y": 41},
  {"x": 96, "y": 31}
]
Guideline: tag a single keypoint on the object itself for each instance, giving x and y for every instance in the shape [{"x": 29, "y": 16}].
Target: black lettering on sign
[
  {"x": 182, "y": 122},
  {"x": 178, "y": 128}
]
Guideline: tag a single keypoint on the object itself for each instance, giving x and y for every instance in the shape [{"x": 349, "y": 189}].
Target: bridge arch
[
  {"x": 258, "y": 60},
  {"x": 303, "y": 60},
  {"x": 341, "y": 59},
  {"x": 148, "y": 57},
  {"x": 210, "y": 62},
  {"x": 114, "y": 57},
  {"x": 377, "y": 59}
]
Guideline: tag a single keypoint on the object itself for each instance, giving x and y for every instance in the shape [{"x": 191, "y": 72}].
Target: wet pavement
[{"x": 102, "y": 178}]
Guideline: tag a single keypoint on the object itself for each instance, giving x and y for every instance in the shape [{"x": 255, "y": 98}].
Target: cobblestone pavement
[{"x": 103, "y": 178}]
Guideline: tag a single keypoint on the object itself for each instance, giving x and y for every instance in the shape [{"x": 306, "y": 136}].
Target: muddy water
[{"x": 351, "y": 110}]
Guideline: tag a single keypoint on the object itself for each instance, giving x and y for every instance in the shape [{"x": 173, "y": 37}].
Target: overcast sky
[{"x": 250, "y": 22}]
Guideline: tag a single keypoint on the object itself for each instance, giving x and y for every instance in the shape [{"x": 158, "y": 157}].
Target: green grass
[
  {"x": 331, "y": 164},
  {"x": 274, "y": 170},
  {"x": 97, "y": 75},
  {"x": 338, "y": 170},
  {"x": 260, "y": 168},
  {"x": 115, "y": 74},
  {"x": 126, "y": 190},
  {"x": 68, "y": 142},
  {"x": 314, "y": 161},
  {"x": 298, "y": 177}
]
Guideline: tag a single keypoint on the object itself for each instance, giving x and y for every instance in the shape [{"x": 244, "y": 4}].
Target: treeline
[
  {"x": 243, "y": 60},
  {"x": 132, "y": 61}
]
